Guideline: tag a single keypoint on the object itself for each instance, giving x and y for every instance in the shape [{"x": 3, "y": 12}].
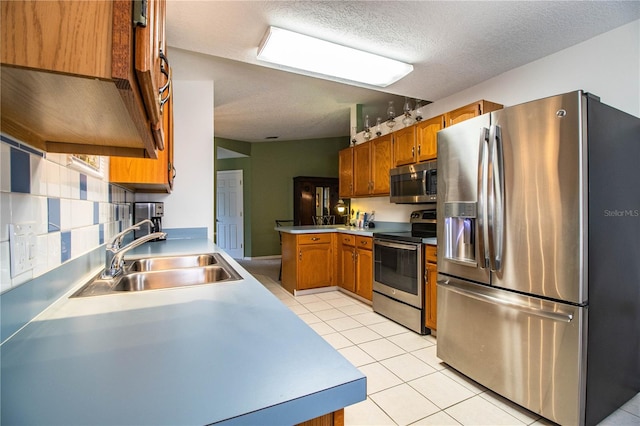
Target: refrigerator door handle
[
  {"x": 495, "y": 195},
  {"x": 555, "y": 316},
  {"x": 483, "y": 254}
]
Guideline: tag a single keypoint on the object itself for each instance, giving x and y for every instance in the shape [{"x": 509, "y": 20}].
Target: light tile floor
[{"x": 407, "y": 384}]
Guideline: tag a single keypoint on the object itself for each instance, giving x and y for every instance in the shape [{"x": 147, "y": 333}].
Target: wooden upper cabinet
[
  {"x": 362, "y": 169},
  {"x": 427, "y": 138},
  {"x": 345, "y": 168},
  {"x": 380, "y": 165},
  {"x": 152, "y": 66},
  {"x": 371, "y": 164},
  {"x": 405, "y": 146},
  {"x": 145, "y": 174},
  {"x": 68, "y": 77},
  {"x": 469, "y": 111}
]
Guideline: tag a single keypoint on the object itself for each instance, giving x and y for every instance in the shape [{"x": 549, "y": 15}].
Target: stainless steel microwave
[{"x": 415, "y": 183}]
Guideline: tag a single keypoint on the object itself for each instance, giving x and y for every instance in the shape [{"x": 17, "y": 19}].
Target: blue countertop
[
  {"x": 343, "y": 229},
  {"x": 228, "y": 352}
]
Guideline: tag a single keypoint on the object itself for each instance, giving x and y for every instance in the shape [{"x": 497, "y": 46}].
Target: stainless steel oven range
[{"x": 398, "y": 271}]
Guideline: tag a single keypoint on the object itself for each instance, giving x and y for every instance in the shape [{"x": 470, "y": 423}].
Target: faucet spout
[
  {"x": 114, "y": 256},
  {"x": 116, "y": 241}
]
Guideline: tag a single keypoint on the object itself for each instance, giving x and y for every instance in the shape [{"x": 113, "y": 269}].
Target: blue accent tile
[
  {"x": 117, "y": 213},
  {"x": 101, "y": 233},
  {"x": 31, "y": 150},
  {"x": 20, "y": 171},
  {"x": 65, "y": 246},
  {"x": 53, "y": 207},
  {"x": 96, "y": 212},
  {"x": 110, "y": 193},
  {"x": 83, "y": 186},
  {"x": 9, "y": 141}
]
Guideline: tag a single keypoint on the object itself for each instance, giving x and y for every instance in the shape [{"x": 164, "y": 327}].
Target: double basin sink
[{"x": 154, "y": 273}]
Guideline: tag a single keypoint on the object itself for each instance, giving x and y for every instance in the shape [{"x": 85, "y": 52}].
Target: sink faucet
[
  {"x": 114, "y": 252},
  {"x": 116, "y": 241}
]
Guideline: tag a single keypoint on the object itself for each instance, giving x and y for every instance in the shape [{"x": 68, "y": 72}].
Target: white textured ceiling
[{"x": 453, "y": 45}]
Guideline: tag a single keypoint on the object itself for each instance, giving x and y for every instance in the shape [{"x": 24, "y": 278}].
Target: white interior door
[{"x": 229, "y": 217}]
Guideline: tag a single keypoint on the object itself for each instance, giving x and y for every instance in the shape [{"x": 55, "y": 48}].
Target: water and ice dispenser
[{"x": 460, "y": 224}]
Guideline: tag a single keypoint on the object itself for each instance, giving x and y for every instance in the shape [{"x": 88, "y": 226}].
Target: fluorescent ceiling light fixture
[{"x": 307, "y": 53}]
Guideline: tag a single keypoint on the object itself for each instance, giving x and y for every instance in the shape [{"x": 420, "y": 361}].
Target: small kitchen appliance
[
  {"x": 414, "y": 184},
  {"x": 154, "y": 211}
]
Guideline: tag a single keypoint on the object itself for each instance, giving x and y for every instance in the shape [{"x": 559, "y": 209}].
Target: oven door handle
[{"x": 401, "y": 246}]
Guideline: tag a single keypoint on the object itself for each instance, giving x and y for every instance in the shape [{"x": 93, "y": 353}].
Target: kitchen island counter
[{"x": 229, "y": 352}]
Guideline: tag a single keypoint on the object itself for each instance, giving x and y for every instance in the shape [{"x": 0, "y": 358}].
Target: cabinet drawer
[
  {"x": 364, "y": 243},
  {"x": 347, "y": 240},
  {"x": 431, "y": 254},
  {"x": 314, "y": 238}
]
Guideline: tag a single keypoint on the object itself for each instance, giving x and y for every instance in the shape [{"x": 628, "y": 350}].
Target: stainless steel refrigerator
[{"x": 539, "y": 255}]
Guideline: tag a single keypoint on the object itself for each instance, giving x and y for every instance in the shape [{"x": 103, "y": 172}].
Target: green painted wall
[{"x": 268, "y": 175}]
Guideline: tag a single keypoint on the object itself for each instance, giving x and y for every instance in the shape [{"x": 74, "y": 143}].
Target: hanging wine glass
[
  {"x": 418, "y": 110},
  {"x": 354, "y": 132},
  {"x": 407, "y": 120},
  {"x": 391, "y": 115},
  {"x": 378, "y": 127}
]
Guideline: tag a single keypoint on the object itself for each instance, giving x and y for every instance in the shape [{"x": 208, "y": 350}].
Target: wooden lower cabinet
[
  {"x": 356, "y": 265},
  {"x": 332, "y": 419},
  {"x": 307, "y": 261},
  {"x": 431, "y": 288}
]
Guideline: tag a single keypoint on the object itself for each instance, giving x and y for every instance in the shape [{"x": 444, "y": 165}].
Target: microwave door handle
[
  {"x": 481, "y": 210},
  {"x": 495, "y": 190}
]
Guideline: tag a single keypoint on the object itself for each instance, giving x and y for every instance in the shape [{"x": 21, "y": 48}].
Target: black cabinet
[{"x": 314, "y": 196}]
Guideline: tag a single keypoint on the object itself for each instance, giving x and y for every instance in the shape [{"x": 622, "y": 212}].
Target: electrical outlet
[{"x": 22, "y": 247}]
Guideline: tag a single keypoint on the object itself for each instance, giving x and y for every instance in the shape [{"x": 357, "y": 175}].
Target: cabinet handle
[
  {"x": 364, "y": 243},
  {"x": 314, "y": 238},
  {"x": 300, "y": 255},
  {"x": 167, "y": 73},
  {"x": 419, "y": 150},
  {"x": 413, "y": 151}
]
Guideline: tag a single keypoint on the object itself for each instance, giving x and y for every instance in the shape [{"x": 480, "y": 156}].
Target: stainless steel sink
[
  {"x": 169, "y": 278},
  {"x": 170, "y": 262},
  {"x": 156, "y": 273}
]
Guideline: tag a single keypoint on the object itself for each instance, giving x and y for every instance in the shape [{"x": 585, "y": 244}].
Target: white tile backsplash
[
  {"x": 38, "y": 173},
  {"x": 5, "y": 168},
  {"x": 65, "y": 214},
  {"x": 81, "y": 213},
  {"x": 51, "y": 178},
  {"x": 53, "y": 250},
  {"x": 5, "y": 215},
  {"x": 5, "y": 274}
]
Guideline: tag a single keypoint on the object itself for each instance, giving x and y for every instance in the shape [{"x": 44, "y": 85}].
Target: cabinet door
[
  {"x": 147, "y": 59},
  {"x": 405, "y": 146},
  {"x": 148, "y": 174},
  {"x": 315, "y": 266},
  {"x": 347, "y": 268},
  {"x": 364, "y": 266},
  {"x": 361, "y": 169},
  {"x": 345, "y": 167},
  {"x": 427, "y": 138},
  {"x": 469, "y": 111},
  {"x": 431, "y": 296},
  {"x": 380, "y": 165}
]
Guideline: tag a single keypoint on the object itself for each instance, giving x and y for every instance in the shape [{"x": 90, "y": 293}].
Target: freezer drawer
[{"x": 527, "y": 349}]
